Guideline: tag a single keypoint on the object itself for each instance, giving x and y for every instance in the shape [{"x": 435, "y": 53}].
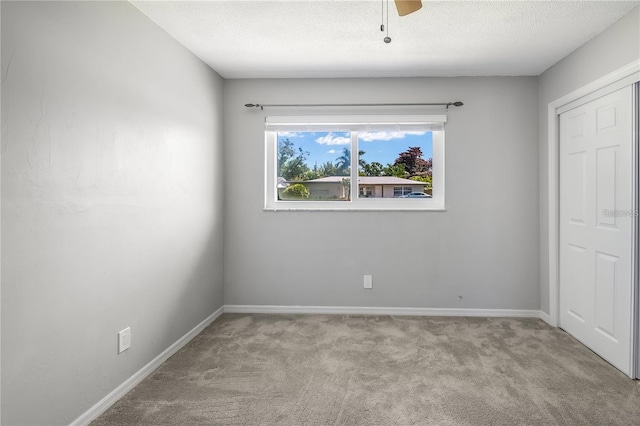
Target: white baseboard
[
  {"x": 545, "y": 317},
  {"x": 359, "y": 310},
  {"x": 145, "y": 371}
]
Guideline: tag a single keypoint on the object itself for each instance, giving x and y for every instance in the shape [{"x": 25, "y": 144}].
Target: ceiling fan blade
[{"x": 406, "y": 7}]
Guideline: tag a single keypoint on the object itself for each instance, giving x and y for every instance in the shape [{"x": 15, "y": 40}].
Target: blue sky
[{"x": 382, "y": 147}]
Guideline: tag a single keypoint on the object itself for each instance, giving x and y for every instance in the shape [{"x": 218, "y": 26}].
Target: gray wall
[
  {"x": 111, "y": 201},
  {"x": 614, "y": 48},
  {"x": 481, "y": 253}
]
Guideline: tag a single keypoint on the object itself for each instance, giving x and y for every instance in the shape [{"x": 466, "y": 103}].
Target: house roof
[
  {"x": 367, "y": 180},
  {"x": 282, "y": 182}
]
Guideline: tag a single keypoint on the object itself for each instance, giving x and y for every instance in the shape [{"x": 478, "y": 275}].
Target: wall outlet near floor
[
  {"x": 124, "y": 340},
  {"x": 368, "y": 281}
]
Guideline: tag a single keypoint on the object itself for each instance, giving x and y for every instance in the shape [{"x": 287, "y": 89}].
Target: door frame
[{"x": 618, "y": 79}]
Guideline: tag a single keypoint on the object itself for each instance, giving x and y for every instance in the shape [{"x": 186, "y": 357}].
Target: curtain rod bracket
[{"x": 447, "y": 104}]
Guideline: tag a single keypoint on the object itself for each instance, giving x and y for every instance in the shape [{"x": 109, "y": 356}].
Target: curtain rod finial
[{"x": 457, "y": 103}]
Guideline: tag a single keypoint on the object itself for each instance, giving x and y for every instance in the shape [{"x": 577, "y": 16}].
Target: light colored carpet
[{"x": 380, "y": 370}]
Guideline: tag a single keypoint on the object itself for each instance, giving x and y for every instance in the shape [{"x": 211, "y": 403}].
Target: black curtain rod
[{"x": 263, "y": 106}]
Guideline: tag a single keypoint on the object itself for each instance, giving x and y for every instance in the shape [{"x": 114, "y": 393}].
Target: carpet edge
[{"x": 113, "y": 397}]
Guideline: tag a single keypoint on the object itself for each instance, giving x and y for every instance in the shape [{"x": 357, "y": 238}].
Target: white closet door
[{"x": 596, "y": 225}]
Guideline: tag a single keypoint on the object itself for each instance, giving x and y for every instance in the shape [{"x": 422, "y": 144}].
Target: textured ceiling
[{"x": 342, "y": 38}]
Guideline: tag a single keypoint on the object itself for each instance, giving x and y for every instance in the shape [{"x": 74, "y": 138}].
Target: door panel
[
  {"x": 606, "y": 161},
  {"x": 577, "y": 180},
  {"x": 577, "y": 306},
  {"x": 605, "y": 294},
  {"x": 596, "y": 225}
]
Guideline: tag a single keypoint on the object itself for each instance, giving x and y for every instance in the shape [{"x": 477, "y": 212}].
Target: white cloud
[
  {"x": 288, "y": 134},
  {"x": 331, "y": 139},
  {"x": 331, "y": 151},
  {"x": 386, "y": 136}
]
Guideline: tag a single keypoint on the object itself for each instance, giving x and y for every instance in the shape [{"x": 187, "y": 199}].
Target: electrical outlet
[
  {"x": 368, "y": 281},
  {"x": 124, "y": 340}
]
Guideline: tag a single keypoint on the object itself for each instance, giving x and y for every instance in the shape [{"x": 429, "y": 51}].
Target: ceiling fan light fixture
[{"x": 406, "y": 7}]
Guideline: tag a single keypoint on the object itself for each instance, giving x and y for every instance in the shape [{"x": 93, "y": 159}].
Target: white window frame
[{"x": 354, "y": 124}]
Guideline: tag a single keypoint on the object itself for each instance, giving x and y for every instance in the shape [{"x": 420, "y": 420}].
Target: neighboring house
[
  {"x": 281, "y": 184},
  {"x": 387, "y": 186},
  {"x": 337, "y": 187}
]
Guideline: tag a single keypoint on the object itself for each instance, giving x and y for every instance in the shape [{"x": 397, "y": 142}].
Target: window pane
[
  {"x": 395, "y": 164},
  {"x": 313, "y": 166}
]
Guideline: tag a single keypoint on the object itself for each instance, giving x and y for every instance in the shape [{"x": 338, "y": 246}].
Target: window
[
  {"x": 399, "y": 191},
  {"x": 354, "y": 163},
  {"x": 366, "y": 191}
]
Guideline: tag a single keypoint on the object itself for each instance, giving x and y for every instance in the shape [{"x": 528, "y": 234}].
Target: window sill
[{"x": 405, "y": 205}]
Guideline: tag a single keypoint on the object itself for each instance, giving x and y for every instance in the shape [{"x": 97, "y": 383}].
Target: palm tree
[
  {"x": 361, "y": 161},
  {"x": 343, "y": 163}
]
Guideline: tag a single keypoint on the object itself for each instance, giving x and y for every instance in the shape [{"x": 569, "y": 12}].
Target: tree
[
  {"x": 397, "y": 170},
  {"x": 346, "y": 188},
  {"x": 427, "y": 180},
  {"x": 296, "y": 192},
  {"x": 343, "y": 163},
  {"x": 413, "y": 163},
  {"x": 372, "y": 169},
  {"x": 361, "y": 161},
  {"x": 285, "y": 152},
  {"x": 327, "y": 169},
  {"x": 290, "y": 167}
]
